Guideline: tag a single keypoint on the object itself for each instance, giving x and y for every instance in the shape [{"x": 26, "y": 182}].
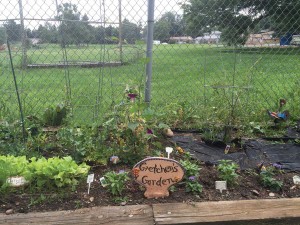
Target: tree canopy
[
  {"x": 167, "y": 26},
  {"x": 237, "y": 18},
  {"x": 13, "y": 30},
  {"x": 2, "y": 36}
]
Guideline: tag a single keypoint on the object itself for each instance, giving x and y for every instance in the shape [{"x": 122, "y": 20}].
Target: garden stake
[{"x": 17, "y": 91}]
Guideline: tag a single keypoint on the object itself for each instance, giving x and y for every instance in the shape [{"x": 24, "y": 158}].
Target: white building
[{"x": 209, "y": 38}]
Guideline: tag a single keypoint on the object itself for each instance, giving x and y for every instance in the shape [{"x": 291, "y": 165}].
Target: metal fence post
[{"x": 150, "y": 25}]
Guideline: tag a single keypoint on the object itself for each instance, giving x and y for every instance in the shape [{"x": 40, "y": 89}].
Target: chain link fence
[{"x": 214, "y": 61}]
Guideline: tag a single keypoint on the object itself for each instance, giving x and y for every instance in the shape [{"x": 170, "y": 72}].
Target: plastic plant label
[
  {"x": 90, "y": 178},
  {"x": 103, "y": 182},
  {"x": 296, "y": 180},
  {"x": 16, "y": 181},
  {"x": 169, "y": 150},
  {"x": 157, "y": 174},
  {"x": 221, "y": 185},
  {"x": 227, "y": 148}
]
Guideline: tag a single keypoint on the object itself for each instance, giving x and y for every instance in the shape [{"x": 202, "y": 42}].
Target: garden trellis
[{"x": 215, "y": 62}]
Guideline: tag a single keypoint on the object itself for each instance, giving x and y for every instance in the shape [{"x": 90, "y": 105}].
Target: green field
[{"x": 215, "y": 83}]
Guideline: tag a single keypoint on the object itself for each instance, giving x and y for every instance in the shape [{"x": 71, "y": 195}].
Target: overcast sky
[{"x": 134, "y": 10}]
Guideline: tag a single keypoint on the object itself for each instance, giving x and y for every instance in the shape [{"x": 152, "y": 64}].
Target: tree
[
  {"x": 47, "y": 33},
  {"x": 237, "y": 18},
  {"x": 2, "y": 36},
  {"x": 167, "y": 26},
  {"x": 283, "y": 15},
  {"x": 71, "y": 29},
  {"x": 13, "y": 30},
  {"x": 131, "y": 31}
]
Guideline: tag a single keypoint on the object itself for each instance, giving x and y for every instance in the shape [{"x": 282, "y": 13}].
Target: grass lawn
[{"x": 217, "y": 84}]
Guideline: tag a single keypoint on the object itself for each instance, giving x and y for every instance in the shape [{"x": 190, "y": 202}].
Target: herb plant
[
  {"x": 192, "y": 185},
  {"x": 116, "y": 182},
  {"x": 267, "y": 179},
  {"x": 227, "y": 171},
  {"x": 191, "y": 176},
  {"x": 191, "y": 169}
]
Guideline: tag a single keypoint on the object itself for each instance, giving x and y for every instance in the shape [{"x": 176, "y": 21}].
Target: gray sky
[{"x": 134, "y": 10}]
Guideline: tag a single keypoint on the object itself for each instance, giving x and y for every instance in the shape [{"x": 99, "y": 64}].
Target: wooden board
[
  {"x": 204, "y": 212},
  {"x": 114, "y": 215},
  {"x": 219, "y": 213}
]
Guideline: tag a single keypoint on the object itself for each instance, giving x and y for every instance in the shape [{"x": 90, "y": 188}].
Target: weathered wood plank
[
  {"x": 226, "y": 211},
  {"x": 170, "y": 213},
  {"x": 114, "y": 215}
]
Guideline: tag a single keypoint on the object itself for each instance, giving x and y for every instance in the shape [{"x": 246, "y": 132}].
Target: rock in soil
[
  {"x": 255, "y": 192},
  {"x": 9, "y": 211}
]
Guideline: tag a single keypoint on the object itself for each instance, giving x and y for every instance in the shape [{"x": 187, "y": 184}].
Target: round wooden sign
[{"x": 157, "y": 174}]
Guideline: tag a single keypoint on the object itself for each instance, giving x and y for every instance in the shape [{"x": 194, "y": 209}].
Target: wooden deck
[{"x": 177, "y": 213}]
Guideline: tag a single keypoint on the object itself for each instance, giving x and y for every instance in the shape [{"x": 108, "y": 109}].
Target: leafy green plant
[
  {"x": 56, "y": 172},
  {"x": 116, "y": 182},
  {"x": 191, "y": 176},
  {"x": 13, "y": 166},
  {"x": 84, "y": 144},
  {"x": 192, "y": 185},
  {"x": 55, "y": 116},
  {"x": 227, "y": 171},
  {"x": 131, "y": 128},
  {"x": 191, "y": 169},
  {"x": 267, "y": 179}
]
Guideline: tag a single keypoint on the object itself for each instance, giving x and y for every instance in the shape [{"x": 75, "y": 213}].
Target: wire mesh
[{"x": 222, "y": 61}]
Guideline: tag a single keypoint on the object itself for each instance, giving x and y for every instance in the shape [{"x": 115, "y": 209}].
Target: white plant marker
[
  {"x": 103, "y": 182},
  {"x": 221, "y": 185},
  {"x": 16, "y": 181},
  {"x": 169, "y": 150},
  {"x": 89, "y": 180},
  {"x": 227, "y": 149},
  {"x": 296, "y": 180}
]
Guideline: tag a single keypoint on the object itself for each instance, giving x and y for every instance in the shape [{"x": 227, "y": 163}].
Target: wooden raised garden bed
[{"x": 170, "y": 213}]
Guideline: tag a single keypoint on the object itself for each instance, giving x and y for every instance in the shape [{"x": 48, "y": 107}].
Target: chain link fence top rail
[{"x": 218, "y": 61}]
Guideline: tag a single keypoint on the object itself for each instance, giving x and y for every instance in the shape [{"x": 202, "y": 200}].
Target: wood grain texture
[
  {"x": 169, "y": 213},
  {"x": 204, "y": 212},
  {"x": 114, "y": 215}
]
